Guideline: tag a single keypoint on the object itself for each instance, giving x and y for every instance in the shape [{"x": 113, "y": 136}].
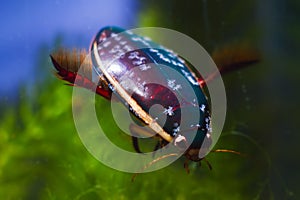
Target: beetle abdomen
[{"x": 143, "y": 73}]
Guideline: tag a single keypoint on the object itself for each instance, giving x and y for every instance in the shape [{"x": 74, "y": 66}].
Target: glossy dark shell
[{"x": 139, "y": 65}]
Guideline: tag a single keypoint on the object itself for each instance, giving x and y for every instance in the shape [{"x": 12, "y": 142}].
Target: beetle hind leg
[{"x": 139, "y": 131}]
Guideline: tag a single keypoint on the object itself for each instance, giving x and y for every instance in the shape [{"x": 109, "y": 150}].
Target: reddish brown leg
[
  {"x": 153, "y": 162},
  {"x": 139, "y": 131},
  {"x": 186, "y": 166},
  {"x": 231, "y": 58},
  {"x": 208, "y": 164},
  {"x": 67, "y": 65}
]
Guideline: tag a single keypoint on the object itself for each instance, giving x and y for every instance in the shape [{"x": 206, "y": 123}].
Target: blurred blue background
[{"x": 26, "y": 25}]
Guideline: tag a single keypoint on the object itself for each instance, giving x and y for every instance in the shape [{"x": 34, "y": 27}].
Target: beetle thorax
[
  {"x": 197, "y": 154},
  {"x": 193, "y": 154}
]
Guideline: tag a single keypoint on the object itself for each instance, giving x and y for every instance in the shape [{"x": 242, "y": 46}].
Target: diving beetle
[{"x": 117, "y": 53}]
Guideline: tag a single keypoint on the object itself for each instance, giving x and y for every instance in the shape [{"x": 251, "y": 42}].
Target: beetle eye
[{"x": 180, "y": 142}]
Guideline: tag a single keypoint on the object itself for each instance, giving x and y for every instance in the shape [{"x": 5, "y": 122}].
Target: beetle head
[{"x": 192, "y": 153}]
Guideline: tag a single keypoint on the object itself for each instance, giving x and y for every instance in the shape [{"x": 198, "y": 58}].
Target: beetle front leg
[{"x": 208, "y": 164}]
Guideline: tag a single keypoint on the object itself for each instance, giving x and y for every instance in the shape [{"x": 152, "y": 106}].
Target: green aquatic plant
[{"x": 42, "y": 157}]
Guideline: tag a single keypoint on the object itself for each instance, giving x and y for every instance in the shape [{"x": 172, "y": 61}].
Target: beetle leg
[
  {"x": 137, "y": 131},
  {"x": 67, "y": 64},
  {"x": 186, "y": 166},
  {"x": 231, "y": 58},
  {"x": 208, "y": 164},
  {"x": 160, "y": 144},
  {"x": 135, "y": 142},
  {"x": 234, "y": 57},
  {"x": 141, "y": 131},
  {"x": 157, "y": 146},
  {"x": 153, "y": 162}
]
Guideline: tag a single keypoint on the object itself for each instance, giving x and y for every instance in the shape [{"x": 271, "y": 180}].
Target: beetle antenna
[
  {"x": 186, "y": 165},
  {"x": 153, "y": 162},
  {"x": 228, "y": 151}
]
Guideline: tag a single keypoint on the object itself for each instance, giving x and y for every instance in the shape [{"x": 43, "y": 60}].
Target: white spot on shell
[
  {"x": 180, "y": 65},
  {"x": 174, "y": 62},
  {"x": 140, "y": 61},
  {"x": 115, "y": 49},
  {"x": 166, "y": 59},
  {"x": 123, "y": 42},
  {"x": 147, "y": 38},
  {"x": 144, "y": 67},
  {"x": 118, "y": 38},
  {"x": 106, "y": 44},
  {"x": 115, "y": 69},
  {"x": 173, "y": 85},
  {"x": 153, "y": 50},
  {"x": 190, "y": 78},
  {"x": 176, "y": 130},
  {"x": 172, "y": 55},
  {"x": 113, "y": 35},
  {"x": 195, "y": 125},
  {"x": 133, "y": 55},
  {"x": 169, "y": 111},
  {"x": 181, "y": 60},
  {"x": 202, "y": 107},
  {"x": 127, "y": 48},
  {"x": 208, "y": 135},
  {"x": 129, "y": 32}
]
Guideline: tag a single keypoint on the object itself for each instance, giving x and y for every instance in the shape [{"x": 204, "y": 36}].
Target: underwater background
[{"x": 41, "y": 155}]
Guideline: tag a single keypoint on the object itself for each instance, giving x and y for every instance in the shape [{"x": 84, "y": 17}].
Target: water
[{"x": 42, "y": 156}]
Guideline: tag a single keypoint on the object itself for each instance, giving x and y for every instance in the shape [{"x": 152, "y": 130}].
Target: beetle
[{"x": 130, "y": 66}]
